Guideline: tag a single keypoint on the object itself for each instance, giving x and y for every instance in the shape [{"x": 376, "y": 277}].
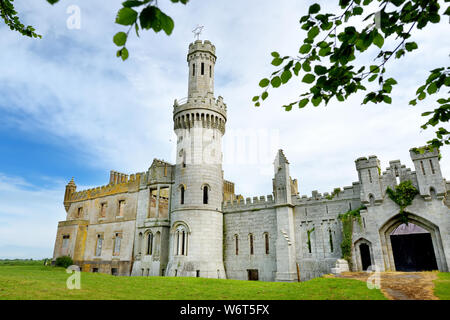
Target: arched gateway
[{"x": 416, "y": 246}]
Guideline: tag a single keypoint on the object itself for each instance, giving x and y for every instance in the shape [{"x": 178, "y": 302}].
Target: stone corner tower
[{"x": 196, "y": 219}]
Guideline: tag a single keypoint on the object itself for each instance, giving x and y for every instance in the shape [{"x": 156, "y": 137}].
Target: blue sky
[{"x": 70, "y": 108}]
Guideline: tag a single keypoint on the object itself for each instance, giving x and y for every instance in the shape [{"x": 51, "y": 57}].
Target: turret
[
  {"x": 369, "y": 178},
  {"x": 428, "y": 173},
  {"x": 201, "y": 60},
  {"x": 71, "y": 187},
  {"x": 281, "y": 180}
]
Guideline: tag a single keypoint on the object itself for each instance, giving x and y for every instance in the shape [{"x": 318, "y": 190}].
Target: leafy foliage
[
  {"x": 63, "y": 261},
  {"x": 328, "y": 55},
  {"x": 335, "y": 193},
  {"x": 403, "y": 195},
  {"x": 11, "y": 19},
  {"x": 347, "y": 220}
]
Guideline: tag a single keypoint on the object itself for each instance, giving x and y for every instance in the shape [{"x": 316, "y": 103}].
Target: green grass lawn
[
  {"x": 41, "y": 282},
  {"x": 442, "y": 286}
]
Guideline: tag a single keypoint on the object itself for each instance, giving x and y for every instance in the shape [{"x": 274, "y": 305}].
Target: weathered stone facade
[{"x": 184, "y": 219}]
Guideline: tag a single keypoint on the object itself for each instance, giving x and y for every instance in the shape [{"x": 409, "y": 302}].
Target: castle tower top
[{"x": 201, "y": 60}]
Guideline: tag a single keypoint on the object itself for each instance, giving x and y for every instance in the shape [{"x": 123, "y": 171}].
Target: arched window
[
  {"x": 139, "y": 242},
  {"x": 250, "y": 237},
  {"x": 181, "y": 239},
  {"x": 371, "y": 199},
  {"x": 150, "y": 244},
  {"x": 182, "y": 194},
  {"x": 266, "y": 241},
  {"x": 205, "y": 194}
]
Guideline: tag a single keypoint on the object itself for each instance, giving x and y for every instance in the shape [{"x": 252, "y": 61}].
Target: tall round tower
[{"x": 196, "y": 241}]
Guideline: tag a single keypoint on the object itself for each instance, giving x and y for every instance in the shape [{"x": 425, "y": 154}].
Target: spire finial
[{"x": 197, "y": 31}]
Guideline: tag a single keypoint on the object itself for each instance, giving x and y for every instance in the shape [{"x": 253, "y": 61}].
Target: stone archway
[
  {"x": 386, "y": 244},
  {"x": 363, "y": 254}
]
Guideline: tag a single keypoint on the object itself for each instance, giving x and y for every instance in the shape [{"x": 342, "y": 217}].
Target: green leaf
[
  {"x": 387, "y": 99},
  {"x": 126, "y": 16},
  {"x": 285, "y": 76},
  {"x": 378, "y": 40},
  {"x": 313, "y": 32},
  {"x": 357, "y": 11},
  {"x": 309, "y": 78},
  {"x": 276, "y": 82},
  {"x": 132, "y": 3},
  {"x": 275, "y": 54},
  {"x": 264, "y": 95},
  {"x": 255, "y": 98},
  {"x": 410, "y": 46},
  {"x": 320, "y": 70},
  {"x": 316, "y": 101},
  {"x": 120, "y": 38},
  {"x": 432, "y": 88},
  {"x": 305, "y": 48},
  {"x": 124, "y": 53},
  {"x": 303, "y": 103},
  {"x": 372, "y": 78},
  {"x": 306, "y": 66},
  {"x": 167, "y": 23},
  {"x": 277, "y": 61},
  {"x": 314, "y": 8},
  {"x": 264, "y": 83}
]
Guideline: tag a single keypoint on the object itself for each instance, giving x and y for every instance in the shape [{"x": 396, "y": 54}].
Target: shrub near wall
[{"x": 64, "y": 261}]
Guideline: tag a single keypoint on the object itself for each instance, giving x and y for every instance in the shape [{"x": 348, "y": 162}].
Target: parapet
[
  {"x": 204, "y": 46},
  {"x": 416, "y": 155},
  {"x": 347, "y": 193},
  {"x": 364, "y": 163},
  {"x": 255, "y": 203},
  {"x": 200, "y": 102}
]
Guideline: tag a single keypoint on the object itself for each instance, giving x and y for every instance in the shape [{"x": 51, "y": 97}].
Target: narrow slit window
[
  {"x": 251, "y": 244},
  {"x": 423, "y": 169},
  {"x": 370, "y": 176},
  {"x": 236, "y": 240},
  {"x": 210, "y": 71},
  {"x": 266, "y": 239},
  {"x": 193, "y": 69},
  {"x": 182, "y": 195},
  {"x": 203, "y": 68},
  {"x": 331, "y": 240},
  {"x": 150, "y": 244},
  {"x": 205, "y": 195},
  {"x": 432, "y": 167}
]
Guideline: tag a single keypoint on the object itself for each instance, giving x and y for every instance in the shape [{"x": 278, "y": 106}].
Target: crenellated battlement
[
  {"x": 124, "y": 184},
  {"x": 338, "y": 194},
  {"x": 200, "y": 102},
  {"x": 200, "y": 45},
  {"x": 364, "y": 163},
  {"x": 255, "y": 203}
]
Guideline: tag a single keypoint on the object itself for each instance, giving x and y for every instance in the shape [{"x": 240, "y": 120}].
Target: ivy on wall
[
  {"x": 403, "y": 195},
  {"x": 335, "y": 193},
  {"x": 347, "y": 220}
]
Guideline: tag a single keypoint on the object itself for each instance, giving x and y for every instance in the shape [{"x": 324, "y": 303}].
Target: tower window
[
  {"x": 182, "y": 195},
  {"x": 193, "y": 69},
  {"x": 98, "y": 250},
  {"x": 210, "y": 71},
  {"x": 432, "y": 167},
  {"x": 181, "y": 241},
  {"x": 236, "y": 241},
  {"x": 251, "y": 244},
  {"x": 149, "y": 244},
  {"x": 117, "y": 242},
  {"x": 205, "y": 195},
  {"x": 331, "y": 240},
  {"x": 65, "y": 242},
  {"x": 266, "y": 239},
  {"x": 423, "y": 169},
  {"x": 370, "y": 176},
  {"x": 203, "y": 68},
  {"x": 121, "y": 207}
]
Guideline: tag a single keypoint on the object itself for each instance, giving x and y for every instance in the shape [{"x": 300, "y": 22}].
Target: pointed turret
[{"x": 71, "y": 187}]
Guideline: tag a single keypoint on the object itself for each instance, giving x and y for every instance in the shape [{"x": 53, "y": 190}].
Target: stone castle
[{"x": 184, "y": 219}]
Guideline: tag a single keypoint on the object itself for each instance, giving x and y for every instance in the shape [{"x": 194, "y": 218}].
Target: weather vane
[{"x": 198, "y": 29}]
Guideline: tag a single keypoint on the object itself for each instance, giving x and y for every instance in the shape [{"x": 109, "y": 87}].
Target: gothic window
[
  {"x": 65, "y": 242},
  {"x": 331, "y": 240},
  {"x": 236, "y": 242},
  {"x": 266, "y": 241},
  {"x": 205, "y": 195},
  {"x": 251, "y": 243},
  {"x": 203, "y": 68},
  {"x": 149, "y": 243},
  {"x": 182, "y": 194},
  {"x": 181, "y": 238},
  {"x": 98, "y": 249},
  {"x": 117, "y": 243}
]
